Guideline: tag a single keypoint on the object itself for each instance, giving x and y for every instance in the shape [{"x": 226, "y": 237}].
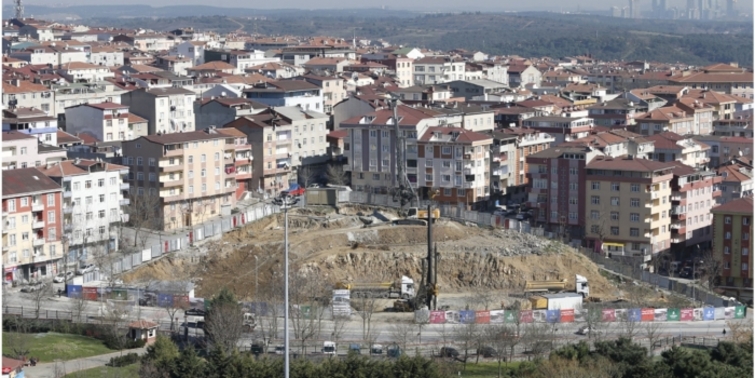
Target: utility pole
[
  {"x": 285, "y": 203},
  {"x": 430, "y": 258}
]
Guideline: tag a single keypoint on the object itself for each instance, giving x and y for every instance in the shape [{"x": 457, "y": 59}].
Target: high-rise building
[{"x": 732, "y": 231}]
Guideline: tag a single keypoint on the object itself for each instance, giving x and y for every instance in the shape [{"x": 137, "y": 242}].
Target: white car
[
  {"x": 86, "y": 269},
  {"x": 62, "y": 277},
  {"x": 584, "y": 330}
]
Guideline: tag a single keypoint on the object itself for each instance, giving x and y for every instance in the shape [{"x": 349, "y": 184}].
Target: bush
[
  {"x": 118, "y": 343},
  {"x": 126, "y": 360}
]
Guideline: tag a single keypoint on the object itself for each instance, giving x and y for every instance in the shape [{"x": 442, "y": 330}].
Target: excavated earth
[{"x": 331, "y": 246}]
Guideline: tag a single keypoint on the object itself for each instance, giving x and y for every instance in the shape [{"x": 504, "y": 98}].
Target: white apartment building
[
  {"x": 107, "y": 121},
  {"x": 438, "y": 69},
  {"x": 22, "y": 93},
  {"x": 21, "y": 150},
  {"x": 34, "y": 122},
  {"x": 92, "y": 205},
  {"x": 193, "y": 50},
  {"x": 167, "y": 110},
  {"x": 106, "y": 56}
]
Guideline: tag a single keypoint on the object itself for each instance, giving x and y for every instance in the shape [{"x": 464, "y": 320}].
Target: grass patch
[
  {"x": 487, "y": 369},
  {"x": 130, "y": 371},
  {"x": 51, "y": 346}
]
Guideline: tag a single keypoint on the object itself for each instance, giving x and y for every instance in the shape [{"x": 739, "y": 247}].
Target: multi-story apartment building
[
  {"x": 725, "y": 148},
  {"x": 292, "y": 92},
  {"x": 694, "y": 193},
  {"x": 167, "y": 110},
  {"x": 333, "y": 90},
  {"x": 370, "y": 146},
  {"x": 106, "y": 56},
  {"x": 723, "y": 105},
  {"x": 194, "y": 50},
  {"x": 667, "y": 118},
  {"x": 720, "y": 78},
  {"x": 670, "y": 146},
  {"x": 82, "y": 72},
  {"x": 21, "y": 150},
  {"x": 82, "y": 93},
  {"x": 107, "y": 121},
  {"x": 282, "y": 140},
  {"x": 93, "y": 205},
  {"x": 561, "y": 128},
  {"x": 221, "y": 110},
  {"x": 26, "y": 94},
  {"x": 702, "y": 112},
  {"x": 34, "y": 122},
  {"x": 238, "y": 58},
  {"x": 528, "y": 141},
  {"x": 628, "y": 205},
  {"x": 187, "y": 177},
  {"x": 619, "y": 112},
  {"x": 243, "y": 160},
  {"x": 438, "y": 69},
  {"x": 456, "y": 162},
  {"x": 503, "y": 165},
  {"x": 732, "y": 244},
  {"x": 736, "y": 181},
  {"x": 740, "y": 126},
  {"x": 32, "y": 224},
  {"x": 176, "y": 64}
]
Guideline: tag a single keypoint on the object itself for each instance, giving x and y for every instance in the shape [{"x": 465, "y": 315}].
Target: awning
[{"x": 619, "y": 245}]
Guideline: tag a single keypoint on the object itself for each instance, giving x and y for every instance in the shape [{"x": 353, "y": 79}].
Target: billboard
[
  {"x": 437, "y": 317},
  {"x": 634, "y": 315},
  {"x": 525, "y": 316},
  {"x": 647, "y": 314},
  {"x": 672, "y": 315},
  {"x": 608, "y": 315},
  {"x": 567, "y": 315},
  {"x": 466, "y": 316},
  {"x": 687, "y": 314},
  {"x": 497, "y": 316},
  {"x": 482, "y": 317}
]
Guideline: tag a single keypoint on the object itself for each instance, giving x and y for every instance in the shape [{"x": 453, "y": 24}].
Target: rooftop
[{"x": 24, "y": 181}]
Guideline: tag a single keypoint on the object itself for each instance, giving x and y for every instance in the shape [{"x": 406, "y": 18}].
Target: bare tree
[
  {"x": 594, "y": 321},
  {"x": 307, "y": 175},
  {"x": 78, "y": 307},
  {"x": 468, "y": 335},
  {"x": 402, "y": 334},
  {"x": 483, "y": 297},
  {"x": 628, "y": 327},
  {"x": 224, "y": 324},
  {"x": 741, "y": 330},
  {"x": 600, "y": 222},
  {"x": 142, "y": 213},
  {"x": 306, "y": 318},
  {"x": 366, "y": 308},
  {"x": 653, "y": 333},
  {"x": 269, "y": 326},
  {"x": 503, "y": 339},
  {"x": 115, "y": 316},
  {"x": 339, "y": 323},
  {"x": 712, "y": 267},
  {"x": 336, "y": 175},
  {"x": 536, "y": 338},
  {"x": 17, "y": 341},
  {"x": 38, "y": 297}
]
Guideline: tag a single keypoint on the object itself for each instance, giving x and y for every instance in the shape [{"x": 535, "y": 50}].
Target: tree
[
  {"x": 115, "y": 316},
  {"x": 740, "y": 330},
  {"x": 307, "y": 175},
  {"x": 367, "y": 305},
  {"x": 160, "y": 359},
  {"x": 142, "y": 213},
  {"x": 402, "y": 334},
  {"x": 336, "y": 175},
  {"x": 536, "y": 339},
  {"x": 628, "y": 327},
  {"x": 38, "y": 297},
  {"x": 594, "y": 321},
  {"x": 653, "y": 333},
  {"x": 503, "y": 339},
  {"x": 306, "y": 298},
  {"x": 339, "y": 323},
  {"x": 712, "y": 266},
  {"x": 78, "y": 307},
  {"x": 224, "y": 322},
  {"x": 469, "y": 335}
]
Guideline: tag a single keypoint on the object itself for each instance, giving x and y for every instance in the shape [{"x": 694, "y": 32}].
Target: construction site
[{"x": 476, "y": 268}]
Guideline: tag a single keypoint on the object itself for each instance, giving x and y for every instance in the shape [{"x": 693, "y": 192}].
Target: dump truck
[
  {"x": 561, "y": 286},
  {"x": 417, "y": 216},
  {"x": 400, "y": 289}
]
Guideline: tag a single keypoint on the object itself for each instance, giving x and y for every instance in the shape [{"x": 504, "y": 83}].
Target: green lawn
[
  {"x": 51, "y": 346},
  {"x": 485, "y": 369},
  {"x": 130, "y": 371}
]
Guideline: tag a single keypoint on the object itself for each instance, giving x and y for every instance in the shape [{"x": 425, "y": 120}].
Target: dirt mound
[{"x": 167, "y": 268}]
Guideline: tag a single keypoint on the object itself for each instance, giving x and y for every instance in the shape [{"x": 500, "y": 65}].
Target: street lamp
[
  {"x": 285, "y": 202},
  {"x": 256, "y": 278}
]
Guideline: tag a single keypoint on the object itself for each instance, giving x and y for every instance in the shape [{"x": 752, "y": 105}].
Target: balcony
[
  {"x": 649, "y": 204},
  {"x": 716, "y": 193},
  {"x": 124, "y": 218},
  {"x": 39, "y": 258},
  {"x": 37, "y": 242},
  {"x": 467, "y": 156},
  {"x": 124, "y": 202},
  {"x": 6, "y": 247},
  {"x": 243, "y": 161},
  {"x": 67, "y": 209},
  {"x": 229, "y": 189},
  {"x": 167, "y": 181},
  {"x": 168, "y": 152},
  {"x": 173, "y": 197},
  {"x": 5, "y": 213},
  {"x": 37, "y": 223},
  {"x": 678, "y": 239},
  {"x": 68, "y": 227},
  {"x": 165, "y": 166},
  {"x": 654, "y": 195},
  {"x": 676, "y": 197},
  {"x": 67, "y": 194},
  {"x": 37, "y": 206},
  {"x": 124, "y": 186}
]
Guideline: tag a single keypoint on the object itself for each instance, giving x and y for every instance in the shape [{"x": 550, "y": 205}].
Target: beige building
[
  {"x": 192, "y": 175},
  {"x": 21, "y": 150},
  {"x": 628, "y": 205}
]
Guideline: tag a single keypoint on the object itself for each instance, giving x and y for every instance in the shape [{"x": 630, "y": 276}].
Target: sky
[{"x": 471, "y": 5}]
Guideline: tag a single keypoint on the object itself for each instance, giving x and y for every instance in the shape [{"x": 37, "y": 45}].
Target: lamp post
[
  {"x": 256, "y": 278},
  {"x": 285, "y": 203}
]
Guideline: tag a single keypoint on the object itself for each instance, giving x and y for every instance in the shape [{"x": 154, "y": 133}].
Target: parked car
[
  {"x": 584, "y": 330},
  {"x": 33, "y": 287},
  {"x": 86, "y": 269},
  {"x": 449, "y": 352},
  {"x": 62, "y": 277},
  {"x": 314, "y": 186},
  {"x": 487, "y": 352},
  {"x": 194, "y": 312}
]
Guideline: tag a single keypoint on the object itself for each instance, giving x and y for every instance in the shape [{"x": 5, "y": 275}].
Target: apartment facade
[
  {"x": 670, "y": 146},
  {"x": 21, "y": 150},
  {"x": 34, "y": 122},
  {"x": 23, "y": 93},
  {"x": 32, "y": 225},
  {"x": 737, "y": 182},
  {"x": 107, "y": 121},
  {"x": 292, "y": 92},
  {"x": 93, "y": 206},
  {"x": 438, "y": 69},
  {"x": 668, "y": 118},
  {"x": 694, "y": 193},
  {"x": 188, "y": 177},
  {"x": 561, "y": 128},
  {"x": 628, "y": 206},
  {"x": 732, "y": 244},
  {"x": 167, "y": 109},
  {"x": 456, "y": 162},
  {"x": 221, "y": 110}
]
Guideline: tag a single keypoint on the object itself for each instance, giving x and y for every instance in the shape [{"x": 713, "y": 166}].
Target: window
[
  {"x": 429, "y": 178},
  {"x": 428, "y": 162},
  {"x": 140, "y": 176},
  {"x": 446, "y": 163},
  {"x": 595, "y": 185},
  {"x": 728, "y": 235},
  {"x": 745, "y": 251},
  {"x": 204, "y": 188},
  {"x": 634, "y": 232},
  {"x": 726, "y": 250},
  {"x": 634, "y": 217},
  {"x": 573, "y": 171},
  {"x": 191, "y": 159},
  {"x": 203, "y": 173},
  {"x": 217, "y": 156},
  {"x": 746, "y": 236},
  {"x": 595, "y": 200},
  {"x": 50, "y": 217},
  {"x": 203, "y": 158},
  {"x": 191, "y": 188},
  {"x": 573, "y": 186},
  {"x": 634, "y": 202},
  {"x": 101, "y": 214},
  {"x": 615, "y": 215},
  {"x": 151, "y": 162},
  {"x": 12, "y": 205},
  {"x": 634, "y": 188},
  {"x": 745, "y": 221},
  {"x": 744, "y": 266},
  {"x": 727, "y": 220},
  {"x": 376, "y": 176},
  {"x": 595, "y": 215},
  {"x": 446, "y": 178},
  {"x": 139, "y": 160},
  {"x": 573, "y": 216},
  {"x": 615, "y": 187},
  {"x": 614, "y": 201},
  {"x": 102, "y": 198},
  {"x": 614, "y": 231},
  {"x": 51, "y": 234},
  {"x": 572, "y": 200}
]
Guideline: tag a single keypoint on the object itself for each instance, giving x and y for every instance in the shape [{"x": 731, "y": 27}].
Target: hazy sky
[{"x": 481, "y": 5}]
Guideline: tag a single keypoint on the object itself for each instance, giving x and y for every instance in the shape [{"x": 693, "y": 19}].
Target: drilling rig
[{"x": 404, "y": 192}]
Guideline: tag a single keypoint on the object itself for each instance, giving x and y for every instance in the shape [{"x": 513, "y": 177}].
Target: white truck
[
  {"x": 403, "y": 289},
  {"x": 329, "y": 347}
]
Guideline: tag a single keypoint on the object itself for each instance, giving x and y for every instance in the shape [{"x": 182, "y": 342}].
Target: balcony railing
[
  {"x": 67, "y": 209},
  {"x": 67, "y": 194},
  {"x": 124, "y": 186},
  {"x": 37, "y": 242},
  {"x": 37, "y": 206},
  {"x": 37, "y": 223},
  {"x": 124, "y": 202}
]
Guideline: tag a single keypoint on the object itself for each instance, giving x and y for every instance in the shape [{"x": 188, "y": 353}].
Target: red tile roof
[
  {"x": 464, "y": 136},
  {"x": 624, "y": 163},
  {"x": 26, "y": 181},
  {"x": 737, "y": 206}
]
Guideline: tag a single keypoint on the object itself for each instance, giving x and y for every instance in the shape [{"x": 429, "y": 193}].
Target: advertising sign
[
  {"x": 482, "y": 317},
  {"x": 181, "y": 301},
  {"x": 552, "y": 316},
  {"x": 466, "y": 316},
  {"x": 539, "y": 316},
  {"x": 648, "y": 314},
  {"x": 452, "y": 317},
  {"x": 567, "y": 315},
  {"x": 164, "y": 300},
  {"x": 687, "y": 314},
  {"x": 739, "y": 312},
  {"x": 728, "y": 313},
  {"x": 512, "y": 316},
  {"x": 90, "y": 293},
  {"x": 496, "y": 316},
  {"x": 525, "y": 316},
  {"x": 437, "y": 317},
  {"x": 608, "y": 315},
  {"x": 672, "y": 315},
  {"x": 720, "y": 313},
  {"x": 634, "y": 315},
  {"x": 660, "y": 314},
  {"x": 709, "y": 313},
  {"x": 73, "y": 291}
]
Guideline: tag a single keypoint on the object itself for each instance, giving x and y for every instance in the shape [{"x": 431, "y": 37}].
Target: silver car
[{"x": 62, "y": 277}]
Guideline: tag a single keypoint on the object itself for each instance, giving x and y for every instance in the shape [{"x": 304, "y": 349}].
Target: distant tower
[
  {"x": 634, "y": 9},
  {"x": 19, "y": 9}
]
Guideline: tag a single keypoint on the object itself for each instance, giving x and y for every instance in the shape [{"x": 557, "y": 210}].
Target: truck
[
  {"x": 249, "y": 323},
  {"x": 580, "y": 287},
  {"x": 417, "y": 216},
  {"x": 400, "y": 289},
  {"x": 560, "y": 301},
  {"x": 329, "y": 347}
]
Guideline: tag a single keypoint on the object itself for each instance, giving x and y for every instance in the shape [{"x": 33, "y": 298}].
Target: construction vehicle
[
  {"x": 249, "y": 323},
  {"x": 556, "y": 301},
  {"x": 403, "y": 289},
  {"x": 329, "y": 347},
  {"x": 417, "y": 217},
  {"x": 580, "y": 287}
]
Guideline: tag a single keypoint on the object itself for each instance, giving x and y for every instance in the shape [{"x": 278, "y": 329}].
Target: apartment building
[
  {"x": 737, "y": 181},
  {"x": 194, "y": 50},
  {"x": 628, "y": 205},
  {"x": 740, "y": 126},
  {"x": 370, "y": 146},
  {"x": 72, "y": 94},
  {"x": 32, "y": 224},
  {"x": 670, "y": 146},
  {"x": 106, "y": 56},
  {"x": 694, "y": 193},
  {"x": 725, "y": 148},
  {"x": 243, "y": 160},
  {"x": 21, "y": 150},
  {"x": 703, "y": 113},
  {"x": 26, "y": 94},
  {"x": 619, "y": 112},
  {"x": 93, "y": 206},
  {"x": 188, "y": 177},
  {"x": 333, "y": 90},
  {"x": 718, "y": 77},
  {"x": 723, "y": 105},
  {"x": 438, "y": 69},
  {"x": 34, "y": 122},
  {"x": 292, "y": 92},
  {"x": 561, "y": 128},
  {"x": 82, "y": 72},
  {"x": 456, "y": 162},
  {"x": 528, "y": 141},
  {"x": 667, "y": 118},
  {"x": 107, "y": 121},
  {"x": 732, "y": 242},
  {"x": 175, "y": 64},
  {"x": 238, "y": 58},
  {"x": 167, "y": 110},
  {"x": 221, "y": 110}
]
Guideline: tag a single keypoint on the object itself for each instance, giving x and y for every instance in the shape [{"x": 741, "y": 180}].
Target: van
[{"x": 329, "y": 347}]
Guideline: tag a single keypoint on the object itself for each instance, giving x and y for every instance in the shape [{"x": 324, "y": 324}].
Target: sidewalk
[{"x": 49, "y": 370}]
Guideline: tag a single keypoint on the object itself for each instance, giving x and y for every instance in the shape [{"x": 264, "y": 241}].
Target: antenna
[{"x": 19, "y": 9}]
